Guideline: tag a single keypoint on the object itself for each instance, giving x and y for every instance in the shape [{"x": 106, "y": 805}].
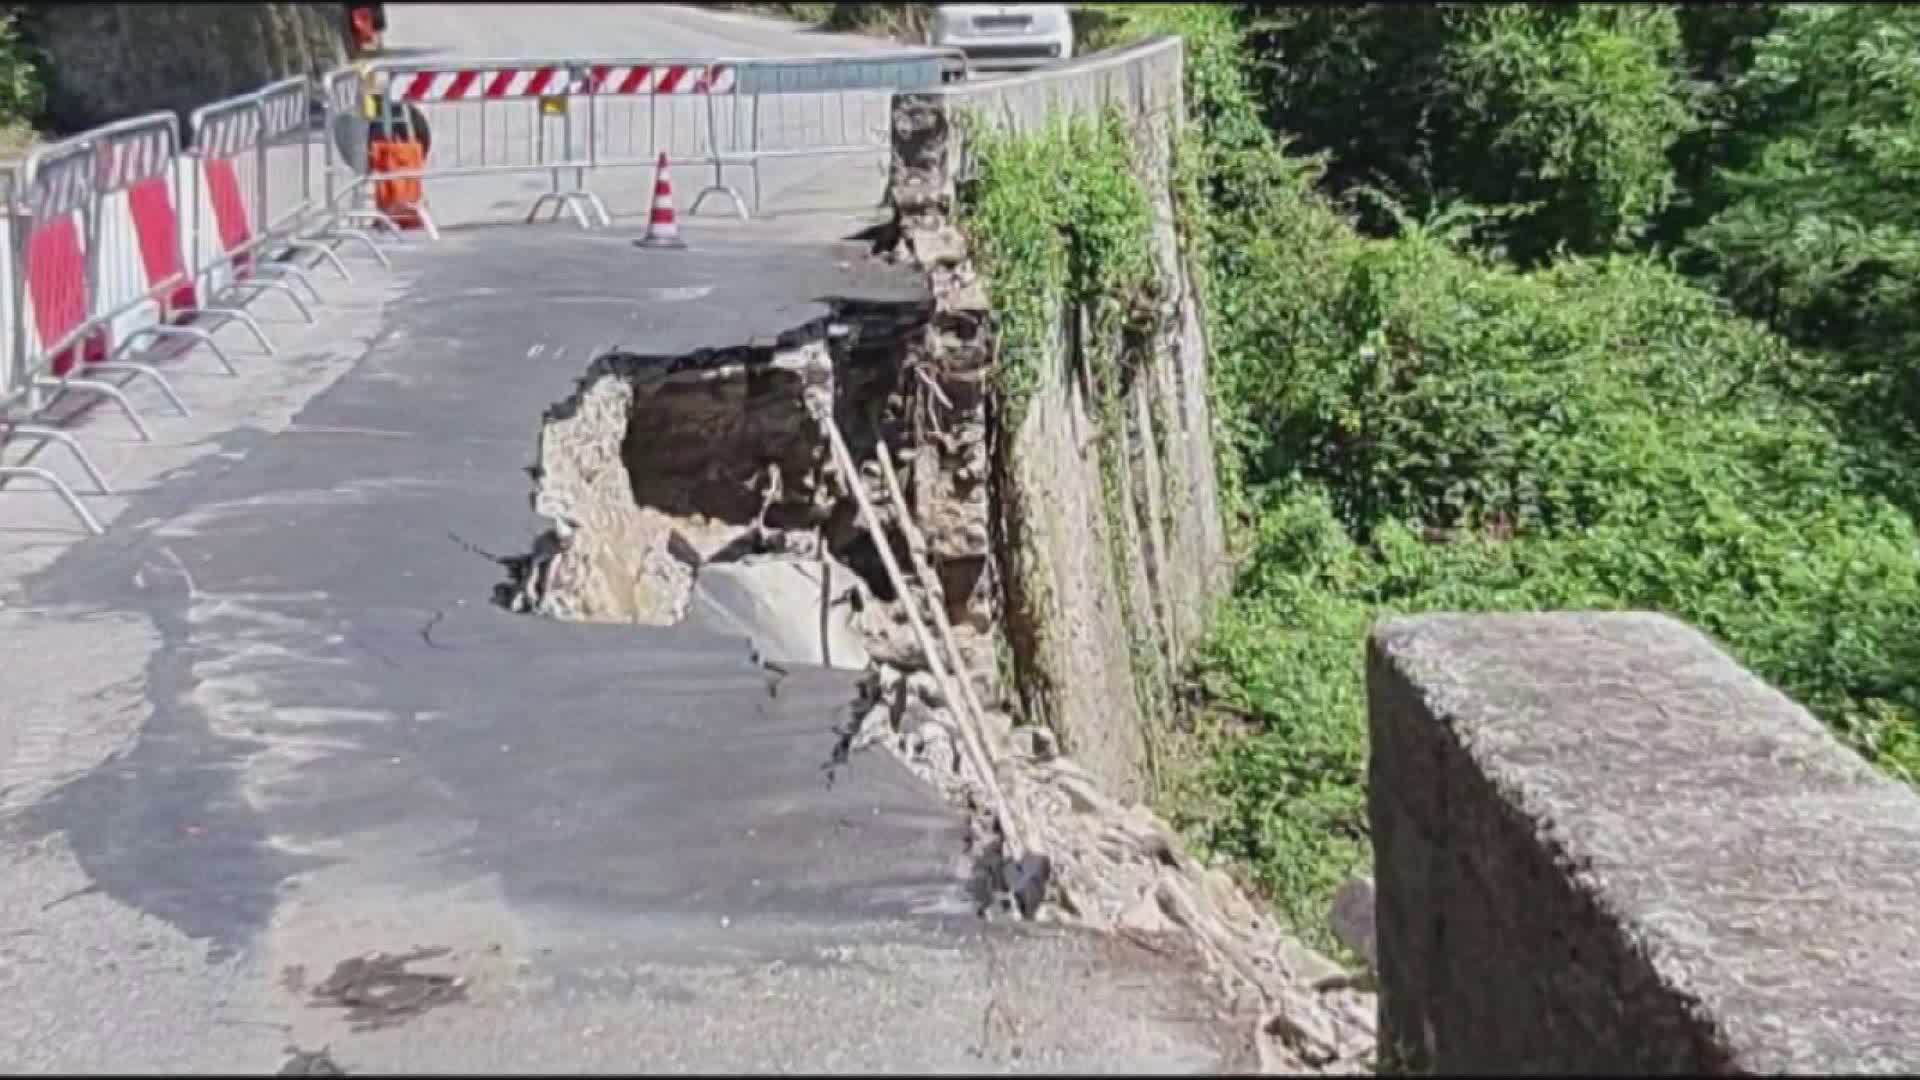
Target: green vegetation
[
  {"x": 1520, "y": 308},
  {"x": 1563, "y": 114},
  {"x": 21, "y": 94},
  {"x": 1812, "y": 224},
  {"x": 1058, "y": 220}
]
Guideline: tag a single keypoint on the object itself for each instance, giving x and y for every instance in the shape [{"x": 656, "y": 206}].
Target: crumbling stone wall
[
  {"x": 106, "y": 62},
  {"x": 1031, "y": 529},
  {"x": 1601, "y": 846}
]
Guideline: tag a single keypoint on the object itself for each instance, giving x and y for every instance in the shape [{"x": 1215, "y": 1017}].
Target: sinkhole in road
[
  {"x": 698, "y": 489},
  {"x": 705, "y": 490},
  {"x": 749, "y": 490}
]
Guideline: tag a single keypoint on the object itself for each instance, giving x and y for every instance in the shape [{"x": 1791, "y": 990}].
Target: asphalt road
[
  {"x": 605, "y": 30},
  {"x": 270, "y": 724}
]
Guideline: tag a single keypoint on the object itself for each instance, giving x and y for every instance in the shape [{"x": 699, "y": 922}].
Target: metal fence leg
[
  {"x": 219, "y": 316},
  {"x": 55, "y": 435},
  {"x": 254, "y": 285},
  {"x": 326, "y": 255},
  {"x": 108, "y": 390},
  {"x": 150, "y": 372},
  {"x": 272, "y": 270},
  {"x": 364, "y": 238},
  {"x": 163, "y": 332},
  {"x": 739, "y": 206},
  {"x": 377, "y": 217},
  {"x": 59, "y": 486},
  {"x": 600, "y": 208}
]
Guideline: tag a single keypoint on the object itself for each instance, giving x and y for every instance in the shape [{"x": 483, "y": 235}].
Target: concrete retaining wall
[
  {"x": 1602, "y": 846},
  {"x": 1070, "y": 607}
]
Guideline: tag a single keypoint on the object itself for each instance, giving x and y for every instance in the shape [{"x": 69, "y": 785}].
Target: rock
[
  {"x": 1309, "y": 966},
  {"x": 1027, "y": 881},
  {"x": 213, "y": 51},
  {"x": 775, "y": 602},
  {"x": 1303, "y": 1028},
  {"x": 877, "y": 723},
  {"x": 1357, "y": 1011},
  {"x": 942, "y": 246},
  {"x": 1351, "y": 918},
  {"x": 923, "y": 686},
  {"x": 935, "y": 744},
  {"x": 1082, "y": 796},
  {"x": 311, "y": 1063},
  {"x": 1144, "y": 916}
]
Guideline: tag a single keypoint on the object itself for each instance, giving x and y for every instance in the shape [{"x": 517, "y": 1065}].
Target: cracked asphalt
[
  {"x": 271, "y": 723},
  {"x": 305, "y": 734}
]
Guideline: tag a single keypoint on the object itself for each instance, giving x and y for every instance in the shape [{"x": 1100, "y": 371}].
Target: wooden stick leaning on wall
[{"x": 971, "y": 734}]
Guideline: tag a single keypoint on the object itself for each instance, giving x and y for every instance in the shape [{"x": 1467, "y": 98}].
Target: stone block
[{"x": 1603, "y": 846}]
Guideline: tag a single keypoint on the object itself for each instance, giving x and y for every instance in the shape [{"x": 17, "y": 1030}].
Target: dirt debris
[
  {"x": 378, "y": 991},
  {"x": 310, "y": 1063},
  {"x": 1119, "y": 869},
  {"x": 1050, "y": 845}
]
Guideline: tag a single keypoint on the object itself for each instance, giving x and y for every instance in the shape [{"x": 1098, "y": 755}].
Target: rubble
[
  {"x": 910, "y": 569},
  {"x": 1051, "y": 845}
]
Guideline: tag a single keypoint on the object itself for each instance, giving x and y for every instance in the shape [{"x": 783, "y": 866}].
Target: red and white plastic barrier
[
  {"x": 118, "y": 238},
  {"x": 504, "y": 84},
  {"x": 621, "y": 80}
]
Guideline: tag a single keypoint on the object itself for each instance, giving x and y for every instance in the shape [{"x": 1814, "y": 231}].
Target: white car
[{"x": 1004, "y": 37}]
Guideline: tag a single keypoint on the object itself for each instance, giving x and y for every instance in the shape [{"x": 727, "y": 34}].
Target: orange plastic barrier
[{"x": 399, "y": 197}]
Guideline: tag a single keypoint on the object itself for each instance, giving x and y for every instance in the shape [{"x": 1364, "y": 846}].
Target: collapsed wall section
[{"x": 1105, "y": 586}]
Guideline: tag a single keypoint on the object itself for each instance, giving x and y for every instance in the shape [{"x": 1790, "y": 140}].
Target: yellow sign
[{"x": 553, "y": 104}]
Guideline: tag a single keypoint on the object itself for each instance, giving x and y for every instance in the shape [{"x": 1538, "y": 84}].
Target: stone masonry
[
  {"x": 1602, "y": 846},
  {"x": 1065, "y": 603}
]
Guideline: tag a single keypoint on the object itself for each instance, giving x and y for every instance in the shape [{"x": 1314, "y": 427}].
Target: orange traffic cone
[{"x": 663, "y": 228}]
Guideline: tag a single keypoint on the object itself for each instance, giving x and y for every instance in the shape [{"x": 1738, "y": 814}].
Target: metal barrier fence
[
  {"x": 123, "y": 236},
  {"x": 130, "y": 154},
  {"x": 497, "y": 117},
  {"x": 569, "y": 117}
]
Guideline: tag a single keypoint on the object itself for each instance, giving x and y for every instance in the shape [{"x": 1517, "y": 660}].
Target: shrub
[
  {"x": 21, "y": 92},
  {"x": 1413, "y": 424},
  {"x": 1564, "y": 112},
  {"x": 1809, "y": 232},
  {"x": 1059, "y": 221}
]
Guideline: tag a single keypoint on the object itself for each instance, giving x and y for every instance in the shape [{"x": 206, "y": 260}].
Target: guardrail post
[
  {"x": 262, "y": 216},
  {"x": 17, "y": 375}
]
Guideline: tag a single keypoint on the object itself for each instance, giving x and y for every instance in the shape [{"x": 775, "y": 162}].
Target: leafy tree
[
  {"x": 1718, "y": 40},
  {"x": 1413, "y": 423},
  {"x": 1567, "y": 111},
  {"x": 1817, "y": 230}
]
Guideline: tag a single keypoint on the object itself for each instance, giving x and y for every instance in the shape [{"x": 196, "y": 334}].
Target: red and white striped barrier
[
  {"x": 478, "y": 84},
  {"x": 505, "y": 84},
  {"x": 624, "y": 80}
]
